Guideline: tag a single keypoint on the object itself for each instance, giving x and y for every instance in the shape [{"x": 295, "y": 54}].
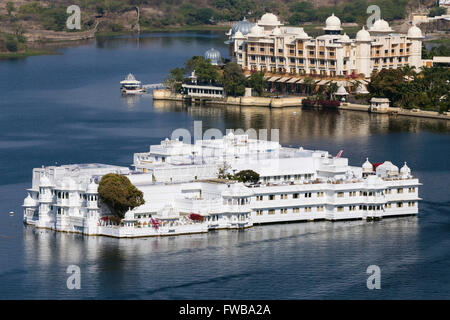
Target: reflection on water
[
  {"x": 213, "y": 265},
  {"x": 297, "y": 124}
]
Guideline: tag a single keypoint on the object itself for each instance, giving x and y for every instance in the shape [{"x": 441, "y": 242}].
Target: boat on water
[
  {"x": 184, "y": 194},
  {"x": 131, "y": 86}
]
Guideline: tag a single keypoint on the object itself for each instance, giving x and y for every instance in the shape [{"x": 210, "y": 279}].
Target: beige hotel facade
[{"x": 271, "y": 47}]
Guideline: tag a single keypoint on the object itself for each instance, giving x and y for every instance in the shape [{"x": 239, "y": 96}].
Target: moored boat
[{"x": 131, "y": 86}]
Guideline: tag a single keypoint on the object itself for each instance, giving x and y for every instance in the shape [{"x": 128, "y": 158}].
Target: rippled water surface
[{"x": 67, "y": 109}]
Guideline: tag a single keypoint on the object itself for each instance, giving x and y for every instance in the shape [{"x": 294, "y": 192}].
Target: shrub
[
  {"x": 247, "y": 176},
  {"x": 12, "y": 45}
]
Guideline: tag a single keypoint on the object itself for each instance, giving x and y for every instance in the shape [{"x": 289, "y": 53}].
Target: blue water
[{"x": 67, "y": 109}]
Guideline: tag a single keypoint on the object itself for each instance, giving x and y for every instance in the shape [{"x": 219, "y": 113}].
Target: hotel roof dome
[
  {"x": 405, "y": 169},
  {"x": 45, "y": 182},
  {"x": 415, "y": 32},
  {"x": 363, "y": 35},
  {"x": 237, "y": 190},
  {"x": 257, "y": 31},
  {"x": 333, "y": 23},
  {"x": 345, "y": 38},
  {"x": 276, "y": 31},
  {"x": 213, "y": 55},
  {"x": 29, "y": 201},
  {"x": 381, "y": 25},
  {"x": 243, "y": 26},
  {"x": 367, "y": 166},
  {"x": 269, "y": 19},
  {"x": 92, "y": 187}
]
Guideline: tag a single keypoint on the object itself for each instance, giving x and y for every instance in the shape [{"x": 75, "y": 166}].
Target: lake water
[{"x": 68, "y": 109}]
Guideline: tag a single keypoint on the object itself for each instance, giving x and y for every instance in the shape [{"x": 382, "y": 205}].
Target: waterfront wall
[
  {"x": 240, "y": 101},
  {"x": 398, "y": 111},
  {"x": 163, "y": 94}
]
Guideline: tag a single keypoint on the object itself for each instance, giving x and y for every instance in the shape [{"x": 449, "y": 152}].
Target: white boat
[{"x": 131, "y": 86}]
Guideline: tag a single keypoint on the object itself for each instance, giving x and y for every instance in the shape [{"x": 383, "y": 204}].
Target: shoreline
[{"x": 293, "y": 101}]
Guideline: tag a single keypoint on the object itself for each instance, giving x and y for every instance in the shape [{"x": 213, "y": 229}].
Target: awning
[
  {"x": 293, "y": 80},
  {"x": 284, "y": 79},
  {"x": 273, "y": 79},
  {"x": 322, "y": 82}
]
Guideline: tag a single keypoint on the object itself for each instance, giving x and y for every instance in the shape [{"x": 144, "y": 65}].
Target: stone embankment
[
  {"x": 233, "y": 101},
  {"x": 294, "y": 102}
]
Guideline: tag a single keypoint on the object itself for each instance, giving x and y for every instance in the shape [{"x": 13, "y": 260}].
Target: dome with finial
[
  {"x": 367, "y": 166},
  {"x": 276, "y": 31},
  {"x": 243, "y": 26},
  {"x": 45, "y": 182},
  {"x": 256, "y": 31},
  {"x": 363, "y": 35},
  {"x": 214, "y": 56},
  {"x": 92, "y": 188},
  {"x": 269, "y": 20},
  {"x": 345, "y": 38},
  {"x": 415, "y": 33},
  {"x": 29, "y": 201},
  {"x": 405, "y": 170},
  {"x": 380, "y": 25},
  {"x": 333, "y": 23}
]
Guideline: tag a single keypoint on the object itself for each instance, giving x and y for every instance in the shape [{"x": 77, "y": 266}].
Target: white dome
[
  {"x": 243, "y": 26},
  {"x": 387, "y": 168},
  {"x": 213, "y": 55},
  {"x": 276, "y": 31},
  {"x": 269, "y": 19},
  {"x": 45, "y": 182},
  {"x": 405, "y": 169},
  {"x": 363, "y": 35},
  {"x": 29, "y": 201},
  {"x": 415, "y": 32},
  {"x": 333, "y": 23},
  {"x": 367, "y": 166},
  {"x": 345, "y": 38},
  {"x": 92, "y": 188},
  {"x": 257, "y": 31},
  {"x": 129, "y": 215},
  {"x": 237, "y": 190},
  {"x": 381, "y": 26}
]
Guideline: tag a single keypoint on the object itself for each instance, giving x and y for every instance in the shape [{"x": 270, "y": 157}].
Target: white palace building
[
  {"x": 180, "y": 181},
  {"x": 269, "y": 46}
]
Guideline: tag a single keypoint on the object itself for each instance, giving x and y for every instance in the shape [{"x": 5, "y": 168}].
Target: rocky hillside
[{"x": 33, "y": 20}]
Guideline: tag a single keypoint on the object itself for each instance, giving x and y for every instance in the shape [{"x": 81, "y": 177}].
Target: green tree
[
  {"x": 10, "y": 8},
  {"x": 257, "y": 82},
  {"x": 233, "y": 80},
  {"x": 247, "y": 176},
  {"x": 175, "y": 79},
  {"x": 119, "y": 194},
  {"x": 12, "y": 45},
  {"x": 204, "y": 70}
]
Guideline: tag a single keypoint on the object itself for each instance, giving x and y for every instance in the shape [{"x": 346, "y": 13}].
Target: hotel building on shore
[{"x": 269, "y": 46}]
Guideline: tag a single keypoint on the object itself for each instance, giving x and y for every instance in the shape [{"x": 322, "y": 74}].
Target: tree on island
[
  {"x": 247, "y": 176},
  {"x": 119, "y": 194},
  {"x": 204, "y": 70},
  {"x": 175, "y": 79},
  {"x": 233, "y": 80}
]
